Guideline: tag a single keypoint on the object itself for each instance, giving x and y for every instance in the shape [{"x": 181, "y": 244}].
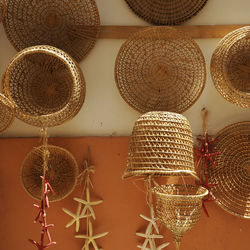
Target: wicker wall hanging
[
  {"x": 62, "y": 172},
  {"x": 232, "y": 172},
  {"x": 179, "y": 207},
  {"x": 72, "y": 26},
  {"x": 160, "y": 68},
  {"x": 45, "y": 85},
  {"x": 6, "y": 113},
  {"x": 171, "y": 12},
  {"x": 161, "y": 145},
  {"x": 2, "y": 9},
  {"x": 230, "y": 67}
]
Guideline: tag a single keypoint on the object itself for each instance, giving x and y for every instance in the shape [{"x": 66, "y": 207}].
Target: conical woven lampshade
[
  {"x": 2, "y": 9},
  {"x": 179, "y": 207},
  {"x": 6, "y": 113},
  {"x": 161, "y": 145}
]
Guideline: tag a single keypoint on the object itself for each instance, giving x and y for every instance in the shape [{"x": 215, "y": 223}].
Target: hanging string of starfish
[
  {"x": 44, "y": 204},
  {"x": 204, "y": 157},
  {"x": 85, "y": 209}
]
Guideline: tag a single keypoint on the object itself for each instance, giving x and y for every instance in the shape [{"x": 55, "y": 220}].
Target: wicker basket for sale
[
  {"x": 72, "y": 26},
  {"x": 62, "y": 172},
  {"x": 2, "y": 9},
  {"x": 179, "y": 207},
  {"x": 6, "y": 113},
  {"x": 46, "y": 86},
  {"x": 232, "y": 172},
  {"x": 161, "y": 145}
]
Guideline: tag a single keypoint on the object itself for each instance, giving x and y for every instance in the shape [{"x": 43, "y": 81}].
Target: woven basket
[
  {"x": 161, "y": 145},
  {"x": 62, "y": 172},
  {"x": 72, "y": 26},
  {"x": 160, "y": 68},
  {"x": 166, "y": 12},
  {"x": 230, "y": 67},
  {"x": 2, "y": 9},
  {"x": 6, "y": 113},
  {"x": 45, "y": 85},
  {"x": 232, "y": 172},
  {"x": 179, "y": 207}
]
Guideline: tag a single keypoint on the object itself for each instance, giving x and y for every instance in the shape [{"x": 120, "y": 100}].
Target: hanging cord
[{"x": 204, "y": 115}]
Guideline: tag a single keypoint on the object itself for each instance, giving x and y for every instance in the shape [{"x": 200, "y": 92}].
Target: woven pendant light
[
  {"x": 161, "y": 145},
  {"x": 2, "y": 9},
  {"x": 6, "y": 113},
  {"x": 72, "y": 26},
  {"x": 62, "y": 172},
  {"x": 45, "y": 85},
  {"x": 179, "y": 207}
]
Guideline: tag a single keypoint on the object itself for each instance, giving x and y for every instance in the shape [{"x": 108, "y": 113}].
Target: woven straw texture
[
  {"x": 230, "y": 67},
  {"x": 62, "y": 172},
  {"x": 232, "y": 172},
  {"x": 171, "y": 12},
  {"x": 160, "y": 68},
  {"x": 72, "y": 26},
  {"x": 161, "y": 144},
  {"x": 179, "y": 207},
  {"x": 2, "y": 9},
  {"x": 6, "y": 113},
  {"x": 45, "y": 85}
]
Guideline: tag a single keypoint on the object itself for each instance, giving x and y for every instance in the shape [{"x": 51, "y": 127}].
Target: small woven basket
[
  {"x": 230, "y": 67},
  {"x": 161, "y": 145},
  {"x": 232, "y": 172},
  {"x": 6, "y": 113},
  {"x": 2, "y": 9},
  {"x": 62, "y": 172},
  {"x": 160, "y": 12},
  {"x": 46, "y": 86},
  {"x": 179, "y": 207},
  {"x": 72, "y": 26}
]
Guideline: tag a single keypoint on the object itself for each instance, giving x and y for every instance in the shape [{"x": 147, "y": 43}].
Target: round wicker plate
[
  {"x": 62, "y": 172},
  {"x": 6, "y": 113},
  {"x": 230, "y": 67},
  {"x": 232, "y": 173},
  {"x": 45, "y": 85},
  {"x": 72, "y": 26},
  {"x": 2, "y": 9},
  {"x": 160, "y": 68},
  {"x": 171, "y": 12}
]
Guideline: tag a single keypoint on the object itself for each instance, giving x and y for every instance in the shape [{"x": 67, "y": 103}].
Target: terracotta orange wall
[{"x": 119, "y": 214}]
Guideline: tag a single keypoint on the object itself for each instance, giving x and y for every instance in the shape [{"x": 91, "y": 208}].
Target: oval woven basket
[
  {"x": 232, "y": 172},
  {"x": 179, "y": 207},
  {"x": 2, "y": 9},
  {"x": 46, "y": 86},
  {"x": 62, "y": 172},
  {"x": 161, "y": 144},
  {"x": 160, "y": 68},
  {"x": 230, "y": 67},
  {"x": 160, "y": 12},
  {"x": 6, "y": 113},
  {"x": 72, "y": 26}
]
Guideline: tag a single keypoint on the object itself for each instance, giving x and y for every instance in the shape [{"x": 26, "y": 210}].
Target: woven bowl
[
  {"x": 6, "y": 113},
  {"x": 45, "y": 85},
  {"x": 179, "y": 207},
  {"x": 160, "y": 12},
  {"x": 160, "y": 69},
  {"x": 62, "y": 172},
  {"x": 161, "y": 145},
  {"x": 72, "y": 26},
  {"x": 230, "y": 67},
  {"x": 2, "y": 9},
  {"x": 232, "y": 172}
]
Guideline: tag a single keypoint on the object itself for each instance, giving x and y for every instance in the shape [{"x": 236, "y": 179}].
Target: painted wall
[
  {"x": 119, "y": 214},
  {"x": 104, "y": 111}
]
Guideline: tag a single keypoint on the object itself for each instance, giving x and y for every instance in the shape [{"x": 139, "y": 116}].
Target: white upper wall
[{"x": 104, "y": 112}]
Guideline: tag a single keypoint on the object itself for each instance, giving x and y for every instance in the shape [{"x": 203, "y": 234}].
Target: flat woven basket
[
  {"x": 179, "y": 207},
  {"x": 2, "y": 9},
  {"x": 232, "y": 172},
  {"x": 6, "y": 113},
  {"x": 46, "y": 86},
  {"x": 62, "y": 172},
  {"x": 171, "y": 12},
  {"x": 160, "y": 68},
  {"x": 230, "y": 67},
  {"x": 72, "y": 26},
  {"x": 161, "y": 145}
]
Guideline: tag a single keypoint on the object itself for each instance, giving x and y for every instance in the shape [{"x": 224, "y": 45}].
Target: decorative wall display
[
  {"x": 232, "y": 172},
  {"x": 160, "y": 12},
  {"x": 230, "y": 67},
  {"x": 72, "y": 26},
  {"x": 6, "y": 113},
  {"x": 45, "y": 85},
  {"x": 160, "y": 68},
  {"x": 2, "y": 9}
]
